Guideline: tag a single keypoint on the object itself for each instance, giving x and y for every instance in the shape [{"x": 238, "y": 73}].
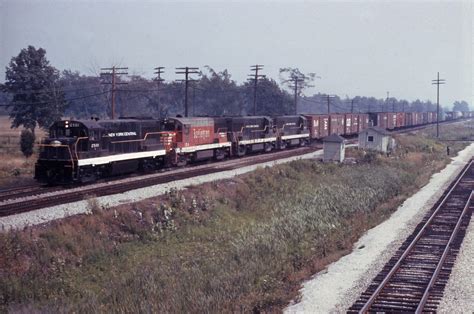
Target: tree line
[{"x": 35, "y": 93}]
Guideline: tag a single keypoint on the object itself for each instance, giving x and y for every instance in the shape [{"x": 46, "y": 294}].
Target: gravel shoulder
[
  {"x": 459, "y": 292},
  {"x": 44, "y": 215},
  {"x": 334, "y": 289}
]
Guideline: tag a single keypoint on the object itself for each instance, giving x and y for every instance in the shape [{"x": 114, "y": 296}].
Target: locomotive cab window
[{"x": 370, "y": 138}]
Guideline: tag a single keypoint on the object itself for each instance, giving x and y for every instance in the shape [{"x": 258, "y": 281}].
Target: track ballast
[{"x": 414, "y": 279}]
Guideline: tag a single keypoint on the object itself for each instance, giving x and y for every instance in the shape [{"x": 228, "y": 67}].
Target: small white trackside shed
[
  {"x": 378, "y": 139},
  {"x": 334, "y": 148}
]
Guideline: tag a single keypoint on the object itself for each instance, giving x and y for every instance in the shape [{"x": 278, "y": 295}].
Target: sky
[{"x": 365, "y": 48}]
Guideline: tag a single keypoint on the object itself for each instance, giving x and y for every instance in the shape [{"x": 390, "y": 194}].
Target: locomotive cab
[{"x": 57, "y": 162}]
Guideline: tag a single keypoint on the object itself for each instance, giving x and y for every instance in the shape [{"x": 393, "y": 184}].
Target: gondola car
[{"x": 84, "y": 150}]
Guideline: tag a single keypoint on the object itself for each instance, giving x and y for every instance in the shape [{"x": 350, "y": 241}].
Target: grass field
[
  {"x": 14, "y": 166},
  {"x": 233, "y": 245}
]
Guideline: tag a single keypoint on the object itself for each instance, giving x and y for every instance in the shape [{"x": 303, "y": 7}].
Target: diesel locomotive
[{"x": 86, "y": 150}]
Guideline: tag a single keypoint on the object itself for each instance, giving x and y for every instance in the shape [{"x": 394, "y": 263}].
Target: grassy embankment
[
  {"x": 245, "y": 244},
  {"x": 14, "y": 167}
]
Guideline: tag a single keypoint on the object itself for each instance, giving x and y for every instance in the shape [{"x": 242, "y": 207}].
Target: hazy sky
[{"x": 357, "y": 47}]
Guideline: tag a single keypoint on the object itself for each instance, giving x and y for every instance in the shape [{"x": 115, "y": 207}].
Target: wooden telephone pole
[
  {"x": 295, "y": 80},
  {"x": 112, "y": 73},
  {"x": 437, "y": 82},
  {"x": 328, "y": 99},
  {"x": 186, "y": 71},
  {"x": 159, "y": 80},
  {"x": 255, "y": 77}
]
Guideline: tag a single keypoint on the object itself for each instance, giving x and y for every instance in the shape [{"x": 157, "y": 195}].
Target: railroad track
[
  {"x": 26, "y": 190},
  {"x": 56, "y": 197},
  {"x": 413, "y": 280}
]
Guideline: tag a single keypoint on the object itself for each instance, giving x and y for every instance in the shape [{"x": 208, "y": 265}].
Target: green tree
[
  {"x": 271, "y": 99},
  {"x": 460, "y": 106},
  {"x": 217, "y": 94},
  {"x": 27, "y": 141},
  {"x": 37, "y": 99},
  {"x": 296, "y": 81},
  {"x": 90, "y": 97}
]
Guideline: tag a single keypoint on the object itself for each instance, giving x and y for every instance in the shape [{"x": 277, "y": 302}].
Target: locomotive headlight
[{"x": 55, "y": 143}]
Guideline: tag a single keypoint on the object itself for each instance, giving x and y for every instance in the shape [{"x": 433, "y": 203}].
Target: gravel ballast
[
  {"x": 336, "y": 288},
  {"x": 44, "y": 215},
  {"x": 459, "y": 292}
]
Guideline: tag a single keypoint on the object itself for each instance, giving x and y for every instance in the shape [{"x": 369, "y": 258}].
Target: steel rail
[
  {"x": 426, "y": 294},
  {"x": 395, "y": 267}
]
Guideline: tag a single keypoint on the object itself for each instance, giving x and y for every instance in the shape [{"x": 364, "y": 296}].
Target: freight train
[{"x": 86, "y": 150}]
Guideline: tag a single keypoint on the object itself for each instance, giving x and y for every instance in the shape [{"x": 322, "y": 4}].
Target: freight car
[
  {"x": 453, "y": 115},
  {"x": 396, "y": 120}
]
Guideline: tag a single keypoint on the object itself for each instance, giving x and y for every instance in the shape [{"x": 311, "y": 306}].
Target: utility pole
[
  {"x": 186, "y": 71},
  {"x": 352, "y": 105},
  {"x": 194, "y": 99},
  {"x": 112, "y": 72},
  {"x": 295, "y": 80},
  {"x": 328, "y": 99},
  {"x": 159, "y": 80},
  {"x": 437, "y": 82},
  {"x": 255, "y": 77}
]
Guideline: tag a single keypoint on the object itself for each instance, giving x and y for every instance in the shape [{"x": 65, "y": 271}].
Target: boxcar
[
  {"x": 363, "y": 121},
  {"x": 400, "y": 119},
  {"x": 351, "y": 123},
  {"x": 336, "y": 124},
  {"x": 424, "y": 118},
  {"x": 318, "y": 125}
]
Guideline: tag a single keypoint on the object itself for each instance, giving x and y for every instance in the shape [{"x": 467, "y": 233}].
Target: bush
[{"x": 27, "y": 141}]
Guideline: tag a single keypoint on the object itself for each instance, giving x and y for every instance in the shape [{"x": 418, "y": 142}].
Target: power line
[
  {"x": 341, "y": 109},
  {"x": 186, "y": 71},
  {"x": 113, "y": 82},
  {"x": 255, "y": 77},
  {"x": 437, "y": 82}
]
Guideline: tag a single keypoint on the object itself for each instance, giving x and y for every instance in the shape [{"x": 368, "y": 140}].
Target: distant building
[
  {"x": 334, "y": 148},
  {"x": 375, "y": 138}
]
